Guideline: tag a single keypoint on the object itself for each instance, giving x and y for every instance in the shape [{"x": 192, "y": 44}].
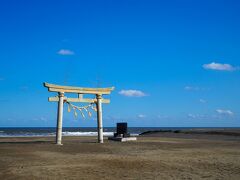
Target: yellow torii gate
[{"x": 61, "y": 90}]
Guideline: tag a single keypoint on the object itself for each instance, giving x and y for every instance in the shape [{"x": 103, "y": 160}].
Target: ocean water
[
  {"x": 82, "y": 131},
  {"x": 70, "y": 131}
]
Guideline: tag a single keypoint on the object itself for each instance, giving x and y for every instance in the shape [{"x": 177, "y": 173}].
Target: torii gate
[{"x": 80, "y": 91}]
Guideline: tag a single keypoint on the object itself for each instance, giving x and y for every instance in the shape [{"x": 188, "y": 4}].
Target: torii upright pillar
[
  {"x": 59, "y": 119},
  {"x": 99, "y": 118}
]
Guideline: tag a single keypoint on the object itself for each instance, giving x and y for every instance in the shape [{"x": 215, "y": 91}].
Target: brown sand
[{"x": 147, "y": 158}]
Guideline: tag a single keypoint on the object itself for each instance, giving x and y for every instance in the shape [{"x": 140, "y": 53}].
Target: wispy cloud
[
  {"x": 225, "y": 112},
  {"x": 65, "y": 52},
  {"x": 202, "y": 101},
  {"x": 132, "y": 93},
  {"x": 192, "y": 88},
  {"x": 40, "y": 118},
  {"x": 221, "y": 114},
  {"x": 219, "y": 67},
  {"x": 195, "y": 88},
  {"x": 141, "y": 116},
  {"x": 198, "y": 116},
  {"x": 193, "y": 116}
]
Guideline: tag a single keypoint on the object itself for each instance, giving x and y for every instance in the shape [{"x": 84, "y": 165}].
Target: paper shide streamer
[{"x": 87, "y": 108}]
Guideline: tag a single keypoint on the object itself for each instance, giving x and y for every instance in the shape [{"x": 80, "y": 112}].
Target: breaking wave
[{"x": 64, "y": 133}]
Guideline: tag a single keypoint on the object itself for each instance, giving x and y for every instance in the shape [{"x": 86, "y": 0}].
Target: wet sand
[{"x": 158, "y": 157}]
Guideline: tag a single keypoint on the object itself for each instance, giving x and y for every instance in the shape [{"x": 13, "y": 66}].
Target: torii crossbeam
[{"x": 61, "y": 90}]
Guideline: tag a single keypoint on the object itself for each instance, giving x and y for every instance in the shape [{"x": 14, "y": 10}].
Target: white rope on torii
[
  {"x": 61, "y": 98},
  {"x": 81, "y": 108}
]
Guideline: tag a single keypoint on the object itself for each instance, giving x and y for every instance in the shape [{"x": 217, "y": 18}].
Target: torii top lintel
[{"x": 79, "y": 90}]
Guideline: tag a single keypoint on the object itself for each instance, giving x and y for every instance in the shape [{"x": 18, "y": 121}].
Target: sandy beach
[{"x": 150, "y": 157}]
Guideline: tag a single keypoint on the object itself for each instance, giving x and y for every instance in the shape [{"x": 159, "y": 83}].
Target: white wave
[
  {"x": 134, "y": 134},
  {"x": 28, "y": 135},
  {"x": 66, "y": 133}
]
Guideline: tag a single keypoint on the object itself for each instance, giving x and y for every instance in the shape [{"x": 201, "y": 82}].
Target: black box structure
[
  {"x": 122, "y": 130},
  {"x": 122, "y": 134}
]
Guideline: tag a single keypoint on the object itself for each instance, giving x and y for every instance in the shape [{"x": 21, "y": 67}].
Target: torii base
[{"x": 58, "y": 144}]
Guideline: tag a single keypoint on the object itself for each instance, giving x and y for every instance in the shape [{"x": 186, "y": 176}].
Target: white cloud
[
  {"x": 195, "y": 88},
  {"x": 198, "y": 116},
  {"x": 141, "y": 116},
  {"x": 40, "y": 119},
  {"x": 132, "y": 93},
  {"x": 65, "y": 52},
  {"x": 193, "y": 116},
  {"x": 224, "y": 112},
  {"x": 219, "y": 67},
  {"x": 202, "y": 101},
  {"x": 43, "y": 118}
]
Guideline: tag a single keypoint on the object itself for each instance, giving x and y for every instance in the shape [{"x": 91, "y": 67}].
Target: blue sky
[{"x": 173, "y": 63}]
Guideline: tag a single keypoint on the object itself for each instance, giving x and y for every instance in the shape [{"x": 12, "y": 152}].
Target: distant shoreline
[
  {"x": 108, "y": 131},
  {"x": 227, "y": 132}
]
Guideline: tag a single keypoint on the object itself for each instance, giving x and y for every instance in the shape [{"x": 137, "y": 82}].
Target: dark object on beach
[
  {"x": 122, "y": 134},
  {"x": 122, "y": 130},
  {"x": 159, "y": 131},
  {"x": 177, "y": 131}
]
